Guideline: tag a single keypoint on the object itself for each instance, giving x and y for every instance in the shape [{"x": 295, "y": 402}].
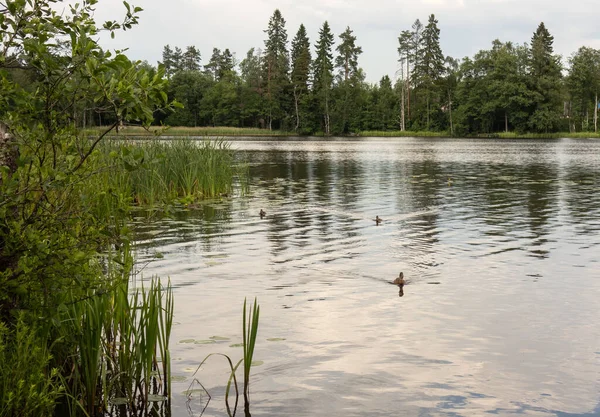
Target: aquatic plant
[
  {"x": 122, "y": 340},
  {"x": 249, "y": 334}
]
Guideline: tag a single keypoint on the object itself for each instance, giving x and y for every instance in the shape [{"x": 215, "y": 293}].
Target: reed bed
[
  {"x": 122, "y": 339},
  {"x": 157, "y": 173}
]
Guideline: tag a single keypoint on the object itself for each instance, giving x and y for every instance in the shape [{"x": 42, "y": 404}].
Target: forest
[{"x": 321, "y": 89}]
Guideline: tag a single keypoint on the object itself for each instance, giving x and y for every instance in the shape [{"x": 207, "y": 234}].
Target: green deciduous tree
[
  {"x": 252, "y": 92},
  {"x": 584, "y": 84},
  {"x": 56, "y": 216}
]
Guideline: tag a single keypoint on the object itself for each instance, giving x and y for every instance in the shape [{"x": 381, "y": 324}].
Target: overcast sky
[{"x": 467, "y": 26}]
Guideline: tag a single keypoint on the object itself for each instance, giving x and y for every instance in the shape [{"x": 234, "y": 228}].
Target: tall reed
[
  {"x": 250, "y": 319},
  {"x": 249, "y": 333},
  {"x": 122, "y": 338},
  {"x": 164, "y": 172}
]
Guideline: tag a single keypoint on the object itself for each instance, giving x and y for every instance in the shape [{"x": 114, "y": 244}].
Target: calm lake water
[{"x": 500, "y": 242}]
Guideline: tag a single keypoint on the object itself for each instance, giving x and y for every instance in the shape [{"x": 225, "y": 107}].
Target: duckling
[
  {"x": 262, "y": 213},
  {"x": 400, "y": 281},
  {"x": 378, "y": 220}
]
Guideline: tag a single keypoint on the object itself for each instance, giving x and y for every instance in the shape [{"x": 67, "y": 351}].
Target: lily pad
[
  {"x": 219, "y": 338},
  {"x": 178, "y": 378},
  {"x": 189, "y": 392},
  {"x": 119, "y": 401},
  {"x": 257, "y": 363},
  {"x": 156, "y": 398},
  {"x": 204, "y": 342},
  {"x": 237, "y": 345},
  {"x": 187, "y": 341},
  {"x": 276, "y": 339}
]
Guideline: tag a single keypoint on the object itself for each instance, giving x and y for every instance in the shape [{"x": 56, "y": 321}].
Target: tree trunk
[
  {"x": 402, "y": 125},
  {"x": 428, "y": 110},
  {"x": 408, "y": 88},
  {"x": 450, "y": 113},
  {"x": 505, "y": 122},
  {"x": 326, "y": 114},
  {"x": 9, "y": 151},
  {"x": 596, "y": 114},
  {"x": 297, "y": 111}
]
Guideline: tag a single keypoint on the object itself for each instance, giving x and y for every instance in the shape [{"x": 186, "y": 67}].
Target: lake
[{"x": 499, "y": 241}]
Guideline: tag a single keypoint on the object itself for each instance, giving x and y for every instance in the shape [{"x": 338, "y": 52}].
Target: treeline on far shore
[{"x": 320, "y": 89}]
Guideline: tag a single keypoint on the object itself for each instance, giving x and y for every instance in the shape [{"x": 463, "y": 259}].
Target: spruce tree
[
  {"x": 430, "y": 66},
  {"x": 167, "y": 60},
  {"x": 323, "y": 74},
  {"x": 545, "y": 73},
  {"x": 301, "y": 63},
  {"x": 276, "y": 68}
]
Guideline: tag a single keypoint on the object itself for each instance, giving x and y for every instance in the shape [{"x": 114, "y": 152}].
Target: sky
[{"x": 466, "y": 26}]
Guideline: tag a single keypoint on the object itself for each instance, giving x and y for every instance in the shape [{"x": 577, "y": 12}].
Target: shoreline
[{"x": 135, "y": 132}]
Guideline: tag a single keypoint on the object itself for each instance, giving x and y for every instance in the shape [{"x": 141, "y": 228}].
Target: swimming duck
[
  {"x": 262, "y": 213},
  {"x": 400, "y": 281},
  {"x": 378, "y": 220}
]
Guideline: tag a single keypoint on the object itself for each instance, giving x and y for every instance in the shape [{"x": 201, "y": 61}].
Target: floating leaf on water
[
  {"x": 257, "y": 363},
  {"x": 119, "y": 401},
  {"x": 158, "y": 255},
  {"x": 204, "y": 342},
  {"x": 156, "y": 398},
  {"x": 187, "y": 341},
  {"x": 276, "y": 339},
  {"x": 178, "y": 378},
  {"x": 219, "y": 338},
  {"x": 189, "y": 392},
  {"x": 237, "y": 345}
]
